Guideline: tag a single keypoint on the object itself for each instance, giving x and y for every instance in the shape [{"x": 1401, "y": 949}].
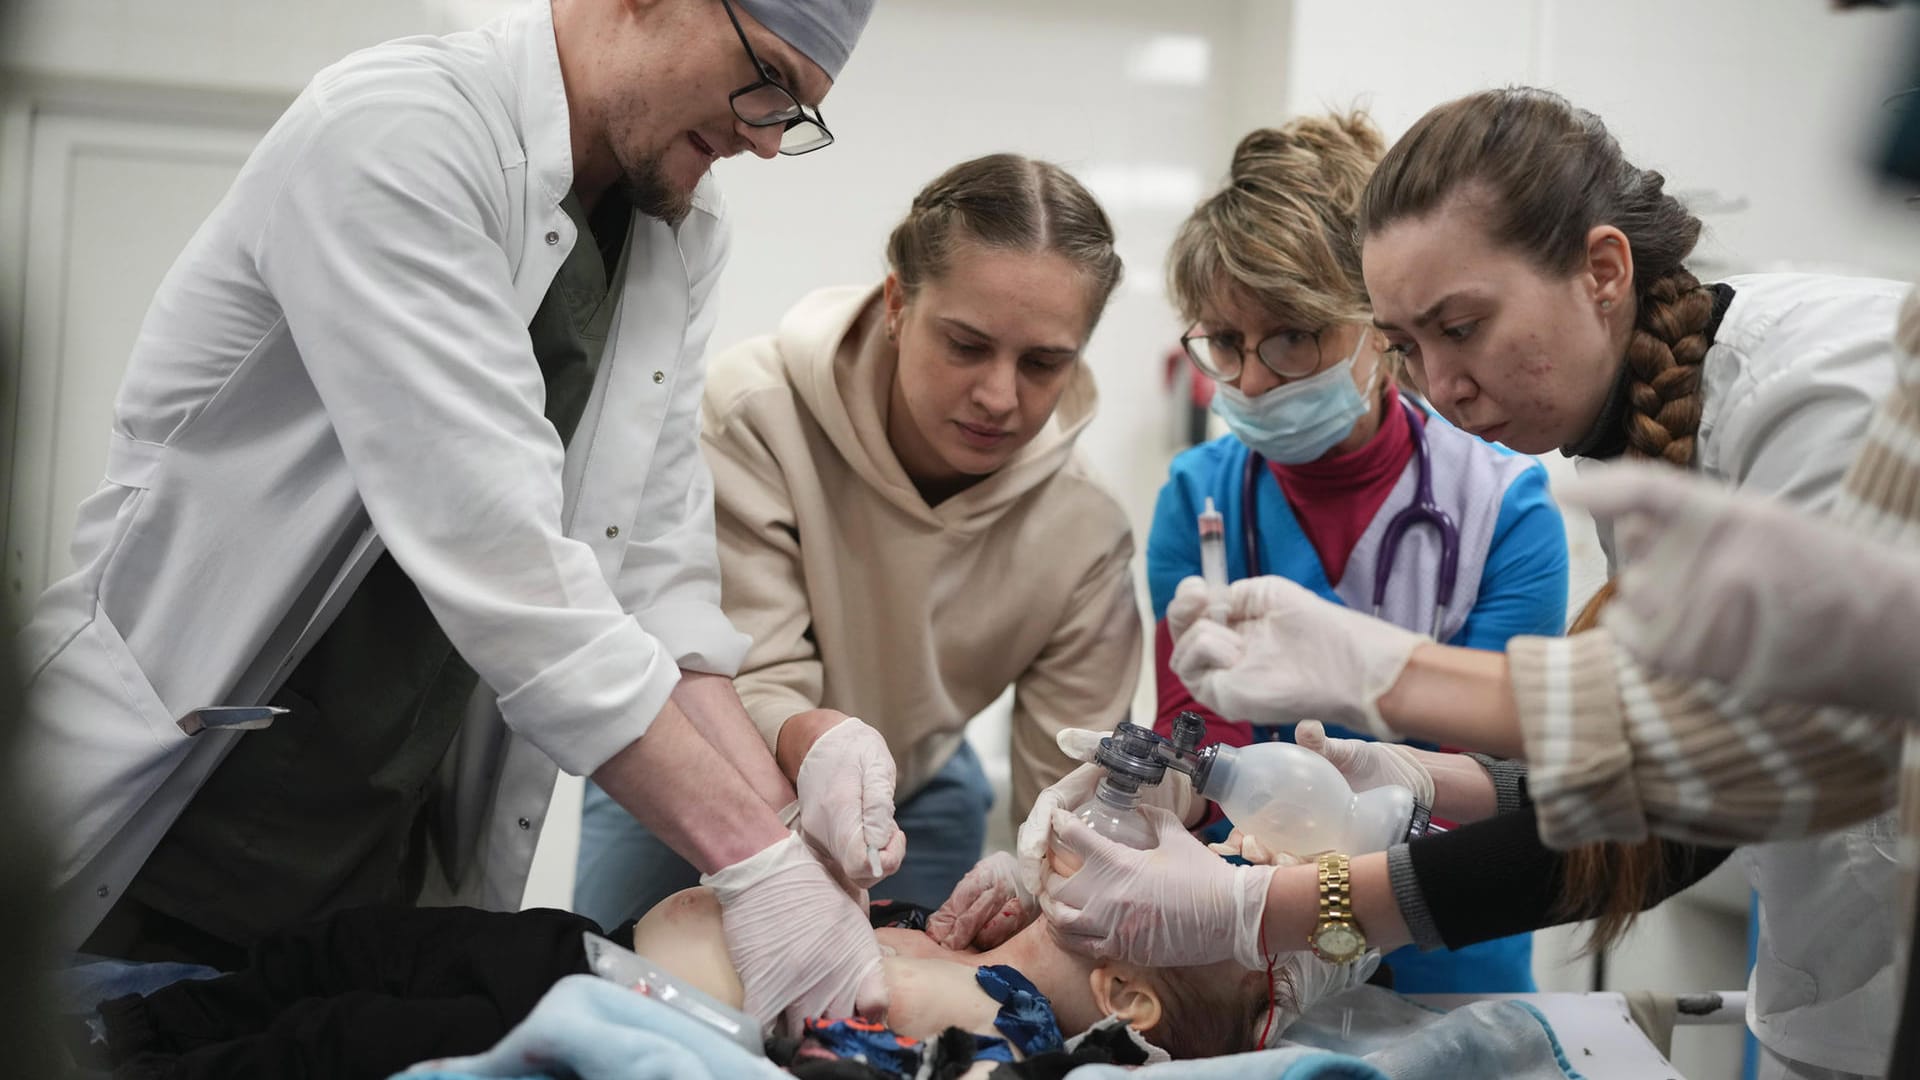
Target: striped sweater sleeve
[{"x": 1615, "y": 751}]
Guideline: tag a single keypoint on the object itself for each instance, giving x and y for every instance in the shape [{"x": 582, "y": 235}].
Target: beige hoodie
[{"x": 862, "y": 598}]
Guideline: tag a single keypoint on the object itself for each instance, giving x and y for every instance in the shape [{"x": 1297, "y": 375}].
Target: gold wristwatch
[{"x": 1337, "y": 939}]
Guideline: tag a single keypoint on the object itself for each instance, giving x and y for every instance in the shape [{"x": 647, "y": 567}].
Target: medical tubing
[{"x": 623, "y": 966}]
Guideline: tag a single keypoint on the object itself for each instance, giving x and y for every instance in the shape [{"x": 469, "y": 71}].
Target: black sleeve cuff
[
  {"x": 1413, "y": 906},
  {"x": 1490, "y": 879}
]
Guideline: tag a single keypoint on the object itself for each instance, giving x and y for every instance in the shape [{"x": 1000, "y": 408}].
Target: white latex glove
[
  {"x": 1301, "y": 979},
  {"x": 1173, "y": 905},
  {"x": 1285, "y": 653},
  {"x": 1768, "y": 600},
  {"x": 989, "y": 906},
  {"x": 845, "y": 784},
  {"x": 592, "y": 1029},
  {"x": 801, "y": 946},
  {"x": 1368, "y": 765},
  {"x": 1251, "y": 849},
  {"x": 1174, "y": 794}
]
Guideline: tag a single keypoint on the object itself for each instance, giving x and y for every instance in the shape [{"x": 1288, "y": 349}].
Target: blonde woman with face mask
[
  {"x": 1325, "y": 455},
  {"x": 907, "y": 529}
]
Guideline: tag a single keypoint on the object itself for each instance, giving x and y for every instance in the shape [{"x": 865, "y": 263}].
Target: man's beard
[{"x": 647, "y": 189}]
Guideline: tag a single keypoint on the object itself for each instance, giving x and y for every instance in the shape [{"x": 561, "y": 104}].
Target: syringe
[{"x": 1213, "y": 560}]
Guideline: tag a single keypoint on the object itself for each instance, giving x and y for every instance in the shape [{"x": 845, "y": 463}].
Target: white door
[{"x": 103, "y": 206}]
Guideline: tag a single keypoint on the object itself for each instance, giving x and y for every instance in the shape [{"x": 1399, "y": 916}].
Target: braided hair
[{"x": 1006, "y": 201}]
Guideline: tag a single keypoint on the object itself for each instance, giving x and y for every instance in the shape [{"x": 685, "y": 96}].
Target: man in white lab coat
[{"x": 408, "y": 446}]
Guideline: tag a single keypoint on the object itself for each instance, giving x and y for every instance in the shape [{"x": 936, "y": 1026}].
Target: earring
[{"x": 1606, "y": 305}]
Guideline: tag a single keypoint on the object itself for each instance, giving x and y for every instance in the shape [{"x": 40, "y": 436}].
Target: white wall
[
  {"x": 1758, "y": 112},
  {"x": 224, "y": 45}
]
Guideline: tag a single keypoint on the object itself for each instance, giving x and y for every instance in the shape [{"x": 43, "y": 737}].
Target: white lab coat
[
  {"x": 1799, "y": 364},
  {"x": 339, "y": 364}
]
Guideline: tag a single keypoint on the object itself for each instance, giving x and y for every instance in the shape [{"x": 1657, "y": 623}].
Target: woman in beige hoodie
[{"x": 906, "y": 529}]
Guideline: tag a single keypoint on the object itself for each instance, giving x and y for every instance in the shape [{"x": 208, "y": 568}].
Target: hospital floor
[{"x": 1695, "y": 942}]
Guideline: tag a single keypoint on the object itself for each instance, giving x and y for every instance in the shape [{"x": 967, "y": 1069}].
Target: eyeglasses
[
  {"x": 767, "y": 103},
  {"x": 1289, "y": 354}
]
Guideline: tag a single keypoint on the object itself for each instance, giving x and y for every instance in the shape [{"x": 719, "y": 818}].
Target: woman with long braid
[{"x": 1533, "y": 282}]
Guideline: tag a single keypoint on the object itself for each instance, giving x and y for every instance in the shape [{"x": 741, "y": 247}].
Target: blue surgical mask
[{"x": 1298, "y": 422}]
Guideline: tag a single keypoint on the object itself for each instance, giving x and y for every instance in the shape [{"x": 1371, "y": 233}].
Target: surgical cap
[{"x": 824, "y": 30}]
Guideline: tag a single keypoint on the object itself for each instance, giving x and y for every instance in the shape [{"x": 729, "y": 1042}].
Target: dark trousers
[{"x": 363, "y": 993}]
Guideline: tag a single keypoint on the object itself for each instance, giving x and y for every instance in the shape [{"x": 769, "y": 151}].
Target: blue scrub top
[{"x": 1523, "y": 590}]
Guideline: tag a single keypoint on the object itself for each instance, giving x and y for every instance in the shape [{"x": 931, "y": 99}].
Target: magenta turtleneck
[{"x": 1336, "y": 498}]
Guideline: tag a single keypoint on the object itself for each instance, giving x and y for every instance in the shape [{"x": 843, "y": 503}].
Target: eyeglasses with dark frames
[
  {"x": 767, "y": 103},
  {"x": 1290, "y": 354}
]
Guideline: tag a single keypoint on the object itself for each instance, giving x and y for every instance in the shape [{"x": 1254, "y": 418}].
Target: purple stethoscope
[{"x": 1422, "y": 511}]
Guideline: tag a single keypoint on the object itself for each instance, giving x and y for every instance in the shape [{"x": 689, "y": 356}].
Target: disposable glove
[
  {"x": 1301, "y": 980},
  {"x": 592, "y": 1029},
  {"x": 1767, "y": 600},
  {"x": 1249, "y": 847},
  {"x": 801, "y": 946},
  {"x": 1174, "y": 794},
  {"x": 1285, "y": 654},
  {"x": 988, "y": 907},
  {"x": 845, "y": 785},
  {"x": 1175, "y": 904},
  {"x": 1368, "y": 765}
]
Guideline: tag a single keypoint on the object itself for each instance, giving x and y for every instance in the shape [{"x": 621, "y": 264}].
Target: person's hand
[
  {"x": 589, "y": 1028},
  {"x": 1763, "y": 598},
  {"x": 801, "y": 946},
  {"x": 1368, "y": 765},
  {"x": 1175, "y": 904},
  {"x": 1285, "y": 654},
  {"x": 845, "y": 788},
  {"x": 1248, "y": 847},
  {"x": 988, "y": 907},
  {"x": 1174, "y": 794}
]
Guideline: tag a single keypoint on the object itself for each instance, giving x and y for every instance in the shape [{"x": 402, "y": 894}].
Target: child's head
[{"x": 1193, "y": 1012}]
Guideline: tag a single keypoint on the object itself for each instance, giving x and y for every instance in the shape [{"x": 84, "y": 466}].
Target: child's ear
[{"x": 1121, "y": 991}]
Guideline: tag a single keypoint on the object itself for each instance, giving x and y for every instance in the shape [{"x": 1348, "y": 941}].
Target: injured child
[
  {"x": 1030, "y": 990},
  {"x": 369, "y": 992}
]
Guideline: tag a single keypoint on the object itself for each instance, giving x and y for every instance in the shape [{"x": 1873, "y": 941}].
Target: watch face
[{"x": 1338, "y": 941}]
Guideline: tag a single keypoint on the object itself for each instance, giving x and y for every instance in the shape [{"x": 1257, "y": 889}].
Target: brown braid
[{"x": 1663, "y": 360}]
